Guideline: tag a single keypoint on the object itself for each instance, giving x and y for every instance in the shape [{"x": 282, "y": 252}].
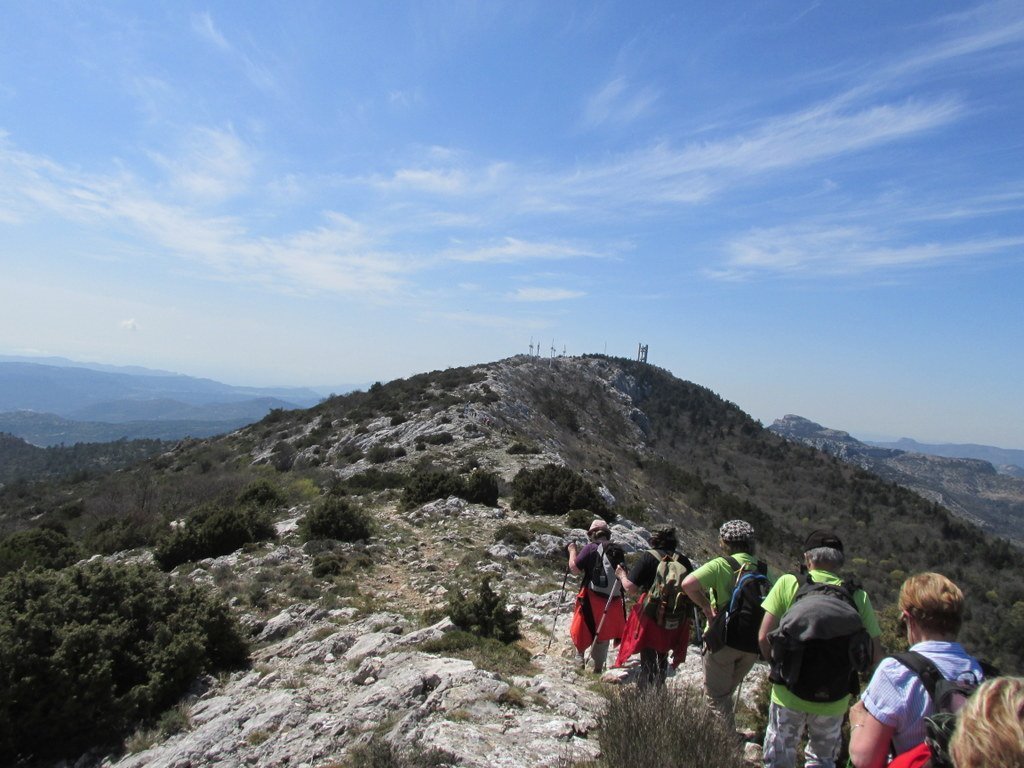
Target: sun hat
[{"x": 736, "y": 530}]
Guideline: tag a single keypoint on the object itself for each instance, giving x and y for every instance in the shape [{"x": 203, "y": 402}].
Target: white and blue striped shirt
[{"x": 896, "y": 696}]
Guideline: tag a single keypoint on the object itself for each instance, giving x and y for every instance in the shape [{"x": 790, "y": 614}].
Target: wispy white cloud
[
  {"x": 617, "y": 102},
  {"x": 512, "y": 249},
  {"x": 258, "y": 74},
  {"x": 339, "y": 256},
  {"x": 839, "y": 250},
  {"x": 212, "y": 164},
  {"x": 982, "y": 29},
  {"x": 544, "y": 294},
  {"x": 130, "y": 325}
]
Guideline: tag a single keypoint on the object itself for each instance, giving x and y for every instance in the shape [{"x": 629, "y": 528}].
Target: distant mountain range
[
  {"x": 66, "y": 402},
  {"x": 1007, "y": 461},
  {"x": 970, "y": 487}
]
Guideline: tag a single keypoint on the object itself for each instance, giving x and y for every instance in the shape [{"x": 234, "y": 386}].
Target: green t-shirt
[
  {"x": 717, "y": 577},
  {"x": 779, "y": 601}
]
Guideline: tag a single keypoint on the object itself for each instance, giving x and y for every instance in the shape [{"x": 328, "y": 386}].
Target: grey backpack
[{"x": 820, "y": 644}]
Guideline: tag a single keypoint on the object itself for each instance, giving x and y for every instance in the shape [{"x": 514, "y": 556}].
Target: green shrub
[
  {"x": 335, "y": 518},
  {"x": 378, "y": 753},
  {"x": 438, "y": 438},
  {"x": 37, "y": 548},
  {"x": 655, "y": 726},
  {"x": 262, "y": 493},
  {"x": 211, "y": 532},
  {"x": 554, "y": 490},
  {"x": 427, "y": 485},
  {"x": 481, "y": 487},
  {"x": 484, "y": 614},
  {"x": 117, "y": 534},
  {"x": 89, "y": 651},
  {"x": 380, "y": 453},
  {"x": 485, "y": 652},
  {"x": 519, "y": 447},
  {"x": 374, "y": 479}
]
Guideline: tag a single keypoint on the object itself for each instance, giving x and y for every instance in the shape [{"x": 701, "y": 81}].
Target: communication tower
[{"x": 641, "y": 354}]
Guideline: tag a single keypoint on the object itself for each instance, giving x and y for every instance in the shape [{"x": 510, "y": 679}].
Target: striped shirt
[{"x": 896, "y": 696}]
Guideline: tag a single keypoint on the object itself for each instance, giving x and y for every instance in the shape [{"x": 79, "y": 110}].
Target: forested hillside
[{"x": 24, "y": 463}]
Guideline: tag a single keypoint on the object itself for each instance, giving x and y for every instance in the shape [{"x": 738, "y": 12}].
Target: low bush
[
  {"x": 378, "y": 753},
  {"x": 481, "y": 487},
  {"x": 117, "y": 534},
  {"x": 379, "y": 453},
  {"x": 37, "y": 548},
  {"x": 484, "y": 614},
  {"x": 427, "y": 485},
  {"x": 488, "y": 653},
  {"x": 335, "y": 518},
  {"x": 655, "y": 726},
  {"x": 519, "y": 447},
  {"x": 374, "y": 479},
  {"x": 211, "y": 532},
  {"x": 262, "y": 493},
  {"x": 90, "y": 651},
  {"x": 554, "y": 490}
]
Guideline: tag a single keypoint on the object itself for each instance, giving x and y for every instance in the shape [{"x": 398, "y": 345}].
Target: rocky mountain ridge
[
  {"x": 972, "y": 488},
  {"x": 344, "y": 658}
]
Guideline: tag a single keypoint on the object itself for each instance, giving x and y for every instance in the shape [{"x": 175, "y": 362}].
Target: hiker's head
[
  {"x": 934, "y": 603},
  {"x": 599, "y": 531},
  {"x": 990, "y": 727},
  {"x": 664, "y": 538},
  {"x": 737, "y": 536},
  {"x": 823, "y": 550}
]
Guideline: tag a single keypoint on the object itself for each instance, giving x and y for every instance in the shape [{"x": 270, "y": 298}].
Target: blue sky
[{"x": 809, "y": 207}]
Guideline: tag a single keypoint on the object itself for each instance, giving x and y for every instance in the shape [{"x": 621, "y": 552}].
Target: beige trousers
[{"x": 723, "y": 672}]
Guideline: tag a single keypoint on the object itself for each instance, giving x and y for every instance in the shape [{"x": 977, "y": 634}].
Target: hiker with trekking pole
[{"x": 600, "y": 614}]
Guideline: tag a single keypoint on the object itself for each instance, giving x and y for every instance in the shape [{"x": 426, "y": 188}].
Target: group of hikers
[{"x": 933, "y": 705}]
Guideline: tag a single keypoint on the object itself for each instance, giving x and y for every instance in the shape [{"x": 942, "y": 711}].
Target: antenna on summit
[
  {"x": 641, "y": 354},
  {"x": 531, "y": 346}
]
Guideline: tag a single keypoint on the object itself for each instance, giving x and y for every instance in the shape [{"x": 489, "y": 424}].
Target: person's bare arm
[
  {"x": 768, "y": 623},
  {"x": 629, "y": 586},
  {"x": 693, "y": 589},
  {"x": 869, "y": 739},
  {"x": 572, "y": 558}
]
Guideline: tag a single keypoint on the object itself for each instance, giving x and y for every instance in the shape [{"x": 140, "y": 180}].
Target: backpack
[
  {"x": 665, "y": 602},
  {"x": 820, "y": 644},
  {"x": 600, "y": 576},
  {"x": 737, "y": 624},
  {"x": 948, "y": 696}
]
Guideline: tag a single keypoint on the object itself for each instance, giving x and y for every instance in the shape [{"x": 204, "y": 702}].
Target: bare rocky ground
[{"x": 330, "y": 674}]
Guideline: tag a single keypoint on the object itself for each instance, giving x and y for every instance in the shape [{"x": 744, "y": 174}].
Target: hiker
[
  {"x": 649, "y": 630},
  {"x": 729, "y": 657},
  {"x": 825, "y": 673},
  {"x": 891, "y": 713},
  {"x": 990, "y": 727},
  {"x": 600, "y": 614}
]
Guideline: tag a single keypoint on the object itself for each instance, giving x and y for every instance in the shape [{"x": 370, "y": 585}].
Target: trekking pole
[
  {"x": 600, "y": 624},
  {"x": 554, "y": 620}
]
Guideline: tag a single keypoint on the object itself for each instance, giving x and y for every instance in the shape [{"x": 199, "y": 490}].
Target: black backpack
[
  {"x": 600, "y": 577},
  {"x": 820, "y": 644},
  {"x": 737, "y": 624},
  {"x": 948, "y": 696}
]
